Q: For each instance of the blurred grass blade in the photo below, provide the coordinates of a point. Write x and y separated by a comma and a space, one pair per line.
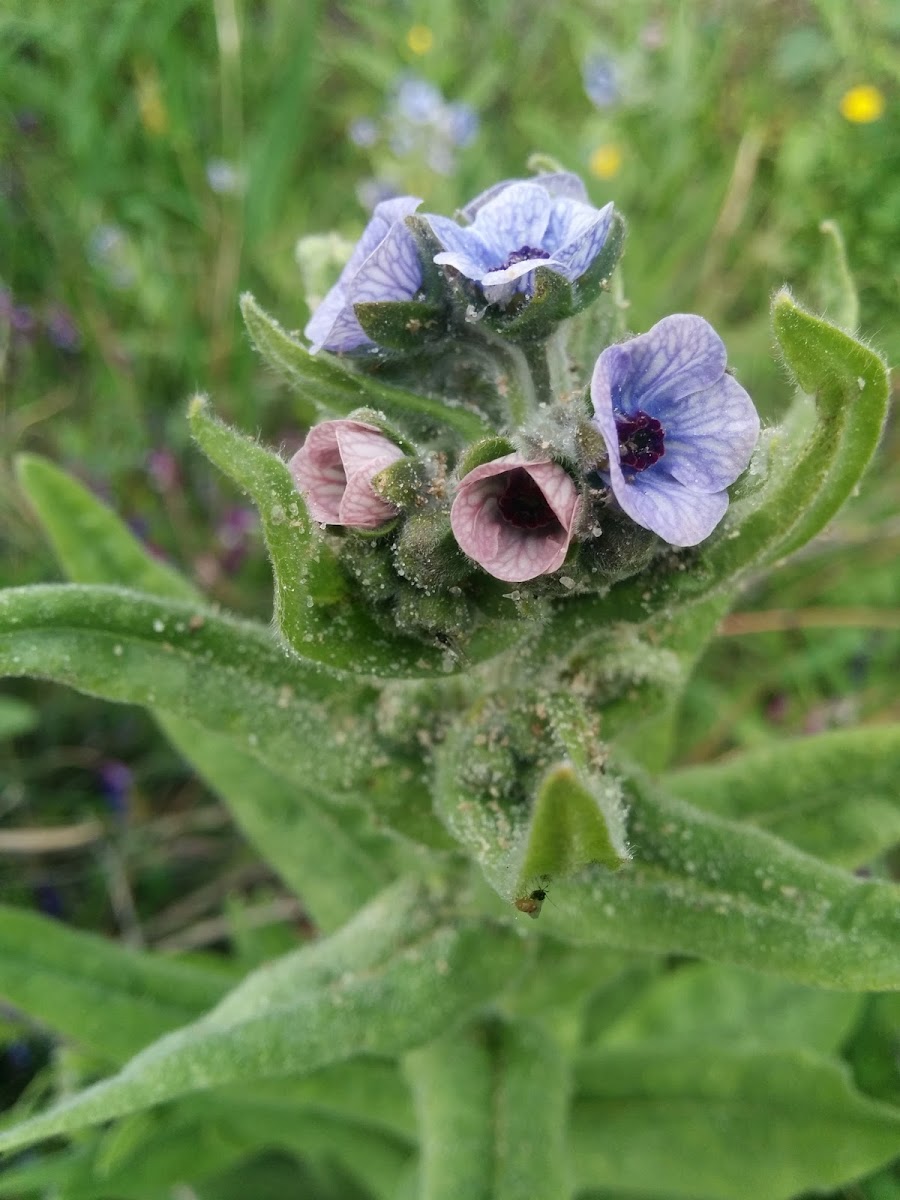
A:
111, 999
397, 976
337, 391
720, 890
334, 866
492, 1105
834, 795
729, 1123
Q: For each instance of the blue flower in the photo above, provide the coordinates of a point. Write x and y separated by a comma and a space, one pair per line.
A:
383, 266
520, 225
601, 80
678, 428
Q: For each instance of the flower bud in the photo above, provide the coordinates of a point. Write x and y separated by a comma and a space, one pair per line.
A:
334, 468
516, 518
427, 555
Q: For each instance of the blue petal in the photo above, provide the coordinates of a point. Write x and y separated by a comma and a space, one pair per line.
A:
391, 272
555, 183
463, 248
680, 355
515, 218
654, 499
710, 436
384, 215
587, 233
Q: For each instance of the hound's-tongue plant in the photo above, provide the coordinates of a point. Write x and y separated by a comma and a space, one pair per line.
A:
454, 746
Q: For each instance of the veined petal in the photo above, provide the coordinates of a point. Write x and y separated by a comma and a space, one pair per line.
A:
556, 183
361, 507
515, 218
586, 235
459, 241
517, 270
655, 500
319, 474
384, 215
360, 445
710, 436
320, 324
391, 272
680, 355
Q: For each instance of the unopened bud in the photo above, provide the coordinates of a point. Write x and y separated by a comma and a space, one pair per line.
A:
426, 553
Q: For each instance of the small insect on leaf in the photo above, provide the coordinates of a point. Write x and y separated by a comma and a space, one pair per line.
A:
532, 903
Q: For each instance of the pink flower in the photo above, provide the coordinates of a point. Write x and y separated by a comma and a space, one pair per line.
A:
516, 518
334, 469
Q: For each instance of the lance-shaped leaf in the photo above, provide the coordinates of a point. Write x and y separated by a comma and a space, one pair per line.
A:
398, 975
701, 885
724, 1123
492, 1104
191, 662
834, 795
837, 297
324, 856
804, 470
317, 608
111, 999
337, 391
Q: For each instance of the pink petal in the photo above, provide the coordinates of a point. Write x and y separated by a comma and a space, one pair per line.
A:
359, 444
361, 507
319, 473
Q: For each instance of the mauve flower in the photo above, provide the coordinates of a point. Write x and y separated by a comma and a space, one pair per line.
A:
334, 469
516, 518
678, 429
383, 266
520, 225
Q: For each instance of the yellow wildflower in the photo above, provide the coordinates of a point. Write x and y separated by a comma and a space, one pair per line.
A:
606, 161
420, 39
862, 104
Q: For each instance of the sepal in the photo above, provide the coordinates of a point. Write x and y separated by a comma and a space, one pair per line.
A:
403, 325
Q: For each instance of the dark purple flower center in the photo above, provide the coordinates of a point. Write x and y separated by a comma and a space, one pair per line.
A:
641, 440
523, 504
521, 255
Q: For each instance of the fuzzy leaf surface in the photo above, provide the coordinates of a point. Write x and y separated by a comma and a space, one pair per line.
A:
834, 795
89, 989
402, 972
724, 1124
720, 890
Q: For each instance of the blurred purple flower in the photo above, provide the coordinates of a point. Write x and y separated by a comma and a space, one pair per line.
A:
116, 781
371, 192
60, 328
678, 428
224, 177
383, 266
234, 534
417, 101
162, 466
519, 226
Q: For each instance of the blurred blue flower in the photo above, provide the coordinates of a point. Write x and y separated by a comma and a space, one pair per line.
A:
371, 192
518, 226
363, 132
383, 266
461, 122
678, 428
110, 251
224, 177
601, 80
417, 101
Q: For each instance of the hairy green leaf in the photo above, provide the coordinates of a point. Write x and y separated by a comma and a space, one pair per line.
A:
338, 391
834, 795
111, 999
704, 1003
324, 857
721, 890
724, 1123
398, 975
492, 1106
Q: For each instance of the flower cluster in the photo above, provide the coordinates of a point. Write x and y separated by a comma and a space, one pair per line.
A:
656, 439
